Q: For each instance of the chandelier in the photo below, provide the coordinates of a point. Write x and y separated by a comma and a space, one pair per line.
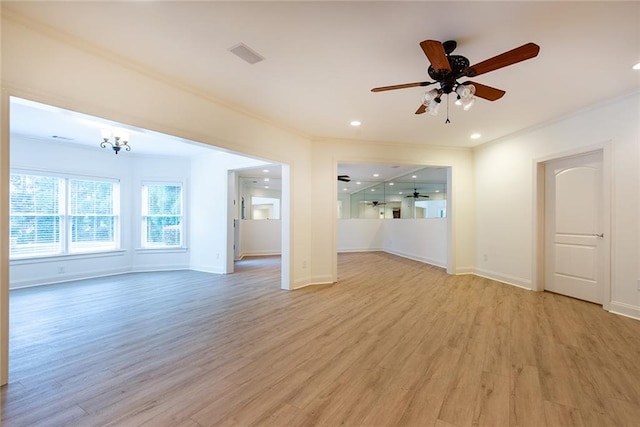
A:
120, 140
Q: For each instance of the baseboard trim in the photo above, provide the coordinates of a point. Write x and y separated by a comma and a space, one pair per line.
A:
626, 310
65, 278
437, 263
260, 253
205, 269
509, 280
349, 250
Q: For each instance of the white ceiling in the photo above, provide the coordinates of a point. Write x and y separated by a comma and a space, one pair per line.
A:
322, 58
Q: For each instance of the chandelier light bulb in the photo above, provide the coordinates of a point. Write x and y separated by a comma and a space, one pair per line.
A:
434, 106
468, 103
429, 96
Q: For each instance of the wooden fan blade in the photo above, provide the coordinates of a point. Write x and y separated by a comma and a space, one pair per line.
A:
522, 53
421, 109
436, 55
402, 86
487, 92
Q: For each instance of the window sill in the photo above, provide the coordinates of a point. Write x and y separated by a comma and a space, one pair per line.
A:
161, 250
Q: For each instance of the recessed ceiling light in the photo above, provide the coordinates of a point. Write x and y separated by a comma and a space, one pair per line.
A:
373, 189
265, 170
358, 183
475, 135
399, 192
355, 123
376, 175
266, 180
345, 189
413, 176
637, 66
266, 186
391, 183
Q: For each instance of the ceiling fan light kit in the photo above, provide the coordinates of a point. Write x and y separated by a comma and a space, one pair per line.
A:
446, 69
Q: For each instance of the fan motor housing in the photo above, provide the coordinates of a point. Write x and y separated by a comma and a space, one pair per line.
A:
458, 64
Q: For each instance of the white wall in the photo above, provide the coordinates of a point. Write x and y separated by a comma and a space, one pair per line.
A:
420, 239
208, 215
423, 240
504, 195
210, 229
360, 235
260, 237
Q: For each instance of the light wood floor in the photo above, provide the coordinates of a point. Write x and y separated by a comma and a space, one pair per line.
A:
395, 342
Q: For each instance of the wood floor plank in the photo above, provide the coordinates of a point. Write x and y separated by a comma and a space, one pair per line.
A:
394, 343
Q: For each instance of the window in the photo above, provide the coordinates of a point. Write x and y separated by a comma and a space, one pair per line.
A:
92, 218
57, 215
162, 225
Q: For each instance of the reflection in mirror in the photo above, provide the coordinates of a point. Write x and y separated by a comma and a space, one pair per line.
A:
413, 193
260, 192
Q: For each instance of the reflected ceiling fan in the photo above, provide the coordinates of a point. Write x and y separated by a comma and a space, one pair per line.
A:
446, 69
416, 195
344, 178
375, 203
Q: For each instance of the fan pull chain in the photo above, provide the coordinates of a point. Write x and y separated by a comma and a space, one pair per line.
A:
447, 121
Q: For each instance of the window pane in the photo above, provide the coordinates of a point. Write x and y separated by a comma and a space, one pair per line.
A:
93, 224
91, 197
162, 215
164, 199
34, 194
34, 223
164, 231
35, 235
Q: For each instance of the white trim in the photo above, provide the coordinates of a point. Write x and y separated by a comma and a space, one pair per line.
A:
626, 310
367, 249
260, 253
162, 250
418, 258
316, 281
205, 269
67, 278
503, 278
538, 194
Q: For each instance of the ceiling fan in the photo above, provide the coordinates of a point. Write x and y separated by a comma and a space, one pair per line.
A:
344, 178
416, 195
446, 69
375, 203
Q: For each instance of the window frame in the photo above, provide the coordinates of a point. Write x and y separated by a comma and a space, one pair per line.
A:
144, 243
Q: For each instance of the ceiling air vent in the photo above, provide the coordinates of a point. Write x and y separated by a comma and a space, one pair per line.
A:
244, 52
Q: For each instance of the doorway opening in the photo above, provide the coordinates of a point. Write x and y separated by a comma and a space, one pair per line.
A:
65, 147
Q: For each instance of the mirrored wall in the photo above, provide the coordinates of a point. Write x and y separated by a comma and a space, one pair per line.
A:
419, 193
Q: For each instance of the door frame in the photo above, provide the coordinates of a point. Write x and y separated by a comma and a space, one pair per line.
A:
538, 252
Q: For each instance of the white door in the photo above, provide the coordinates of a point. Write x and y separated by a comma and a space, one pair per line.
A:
575, 250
